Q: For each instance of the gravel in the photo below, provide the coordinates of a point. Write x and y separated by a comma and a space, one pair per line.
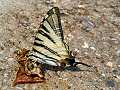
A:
90, 26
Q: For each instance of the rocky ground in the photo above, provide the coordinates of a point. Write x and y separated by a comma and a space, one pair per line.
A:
91, 27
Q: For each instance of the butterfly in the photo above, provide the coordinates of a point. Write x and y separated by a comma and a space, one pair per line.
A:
49, 47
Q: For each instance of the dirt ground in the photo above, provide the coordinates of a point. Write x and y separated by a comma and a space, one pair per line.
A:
91, 27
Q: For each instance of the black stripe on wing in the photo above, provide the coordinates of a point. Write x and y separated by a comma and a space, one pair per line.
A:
43, 27
36, 38
47, 48
43, 59
54, 21
46, 35
43, 54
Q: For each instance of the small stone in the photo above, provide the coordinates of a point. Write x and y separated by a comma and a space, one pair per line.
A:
118, 65
93, 48
81, 6
110, 83
110, 64
69, 37
88, 24
85, 45
115, 72
60, 78
5, 75
65, 79
19, 88
118, 52
118, 77
54, 1
103, 74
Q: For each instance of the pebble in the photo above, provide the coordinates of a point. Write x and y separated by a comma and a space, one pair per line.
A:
5, 75
118, 52
116, 72
93, 48
81, 6
54, 1
110, 83
88, 24
110, 64
69, 37
85, 45
103, 74
19, 88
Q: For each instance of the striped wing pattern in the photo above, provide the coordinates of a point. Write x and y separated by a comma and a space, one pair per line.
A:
49, 47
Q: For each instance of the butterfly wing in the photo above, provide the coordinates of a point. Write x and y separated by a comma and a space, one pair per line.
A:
49, 47
54, 20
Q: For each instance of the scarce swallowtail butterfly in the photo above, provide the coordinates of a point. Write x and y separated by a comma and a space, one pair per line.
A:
49, 46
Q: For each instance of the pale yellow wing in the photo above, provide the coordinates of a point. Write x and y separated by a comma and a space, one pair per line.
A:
49, 47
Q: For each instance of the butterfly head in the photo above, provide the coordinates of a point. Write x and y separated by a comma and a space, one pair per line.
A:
72, 61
